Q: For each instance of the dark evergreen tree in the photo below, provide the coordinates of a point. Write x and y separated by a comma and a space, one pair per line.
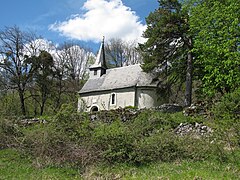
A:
43, 78
169, 44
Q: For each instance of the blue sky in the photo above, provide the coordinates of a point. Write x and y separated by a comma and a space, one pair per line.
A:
85, 21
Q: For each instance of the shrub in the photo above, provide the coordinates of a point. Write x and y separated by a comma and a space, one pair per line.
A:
157, 147
48, 145
9, 132
149, 137
114, 141
227, 118
228, 107
167, 146
76, 125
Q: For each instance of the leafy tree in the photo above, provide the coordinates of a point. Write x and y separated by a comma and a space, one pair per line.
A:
169, 44
43, 78
216, 28
14, 60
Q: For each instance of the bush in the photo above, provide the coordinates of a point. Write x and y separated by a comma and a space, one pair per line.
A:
10, 105
166, 147
227, 118
162, 146
228, 107
48, 146
114, 141
9, 133
149, 137
75, 125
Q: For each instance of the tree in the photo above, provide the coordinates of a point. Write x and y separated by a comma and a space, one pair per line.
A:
71, 63
114, 52
43, 78
121, 53
169, 44
216, 28
14, 62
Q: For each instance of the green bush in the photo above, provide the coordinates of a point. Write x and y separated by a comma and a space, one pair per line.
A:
228, 107
70, 137
166, 147
49, 146
114, 141
76, 125
148, 138
227, 118
9, 132
162, 146
10, 105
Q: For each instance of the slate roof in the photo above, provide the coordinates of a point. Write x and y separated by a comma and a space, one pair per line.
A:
118, 78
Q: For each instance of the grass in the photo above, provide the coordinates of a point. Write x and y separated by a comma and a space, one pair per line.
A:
14, 166
177, 170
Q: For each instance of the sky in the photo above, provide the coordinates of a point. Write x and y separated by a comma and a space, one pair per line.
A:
83, 21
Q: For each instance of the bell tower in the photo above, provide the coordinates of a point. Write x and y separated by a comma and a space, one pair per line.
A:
99, 67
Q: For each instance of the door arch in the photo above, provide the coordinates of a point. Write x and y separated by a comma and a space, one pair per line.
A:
94, 109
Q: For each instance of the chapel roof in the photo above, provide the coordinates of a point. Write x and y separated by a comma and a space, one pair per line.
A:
118, 78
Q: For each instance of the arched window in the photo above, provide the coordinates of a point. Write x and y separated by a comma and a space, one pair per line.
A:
113, 98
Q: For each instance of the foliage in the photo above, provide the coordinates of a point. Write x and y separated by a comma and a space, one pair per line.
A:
114, 141
14, 63
50, 145
9, 134
216, 30
150, 138
9, 104
168, 47
70, 122
71, 138
43, 78
228, 106
226, 113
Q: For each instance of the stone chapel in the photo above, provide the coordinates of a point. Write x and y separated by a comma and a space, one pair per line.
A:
117, 87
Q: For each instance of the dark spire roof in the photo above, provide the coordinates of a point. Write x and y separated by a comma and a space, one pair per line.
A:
100, 60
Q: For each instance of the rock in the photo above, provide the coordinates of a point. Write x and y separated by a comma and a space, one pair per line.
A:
169, 108
27, 122
199, 108
197, 129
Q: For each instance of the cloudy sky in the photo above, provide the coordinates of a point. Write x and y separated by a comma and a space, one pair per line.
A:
81, 20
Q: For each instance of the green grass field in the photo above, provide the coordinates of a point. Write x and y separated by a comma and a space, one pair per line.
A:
14, 166
177, 170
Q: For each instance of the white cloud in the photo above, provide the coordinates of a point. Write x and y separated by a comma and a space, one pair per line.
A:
108, 18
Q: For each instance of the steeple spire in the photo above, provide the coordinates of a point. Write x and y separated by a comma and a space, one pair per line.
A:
100, 63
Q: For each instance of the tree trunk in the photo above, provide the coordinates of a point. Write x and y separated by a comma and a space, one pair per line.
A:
189, 74
44, 99
21, 96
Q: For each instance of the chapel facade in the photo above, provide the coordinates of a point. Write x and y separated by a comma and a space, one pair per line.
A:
117, 87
